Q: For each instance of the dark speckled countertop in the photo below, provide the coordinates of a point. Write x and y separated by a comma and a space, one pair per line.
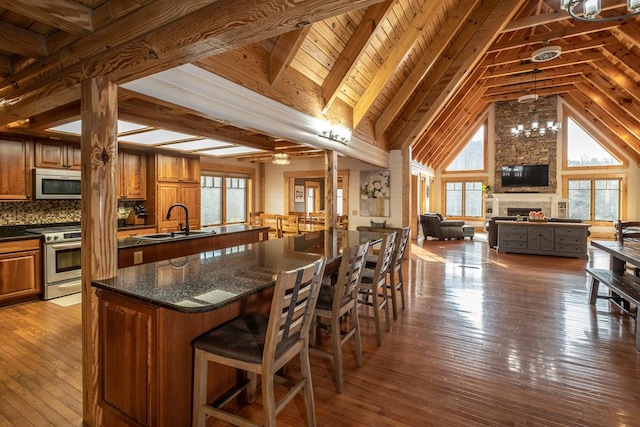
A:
213, 279
127, 242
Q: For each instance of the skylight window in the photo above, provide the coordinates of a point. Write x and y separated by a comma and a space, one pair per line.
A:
154, 137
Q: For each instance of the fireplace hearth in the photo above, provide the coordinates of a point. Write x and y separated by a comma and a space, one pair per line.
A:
521, 211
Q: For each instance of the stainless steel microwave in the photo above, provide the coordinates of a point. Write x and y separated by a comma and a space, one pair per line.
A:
56, 183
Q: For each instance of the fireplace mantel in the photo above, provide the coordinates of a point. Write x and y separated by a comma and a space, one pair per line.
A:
545, 201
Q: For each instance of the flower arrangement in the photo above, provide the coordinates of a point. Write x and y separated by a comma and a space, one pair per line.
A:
376, 186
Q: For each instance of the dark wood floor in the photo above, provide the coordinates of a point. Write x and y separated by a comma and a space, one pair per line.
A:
486, 339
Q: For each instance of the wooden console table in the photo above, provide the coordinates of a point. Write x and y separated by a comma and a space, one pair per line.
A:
543, 238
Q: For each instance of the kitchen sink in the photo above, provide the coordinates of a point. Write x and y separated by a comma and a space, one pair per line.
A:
173, 235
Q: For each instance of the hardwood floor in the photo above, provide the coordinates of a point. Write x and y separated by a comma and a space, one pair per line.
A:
486, 339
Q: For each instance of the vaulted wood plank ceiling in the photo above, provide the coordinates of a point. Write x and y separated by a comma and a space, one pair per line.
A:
401, 73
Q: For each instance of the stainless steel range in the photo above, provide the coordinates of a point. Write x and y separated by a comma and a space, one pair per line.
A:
62, 255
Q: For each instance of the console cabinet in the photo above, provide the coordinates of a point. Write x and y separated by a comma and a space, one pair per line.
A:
15, 170
543, 238
132, 175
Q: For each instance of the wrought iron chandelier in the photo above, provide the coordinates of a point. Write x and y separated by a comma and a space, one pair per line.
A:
280, 159
535, 127
592, 8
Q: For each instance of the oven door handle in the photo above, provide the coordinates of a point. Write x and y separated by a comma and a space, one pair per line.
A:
66, 245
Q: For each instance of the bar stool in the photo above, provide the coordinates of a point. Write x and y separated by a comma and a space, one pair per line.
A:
261, 345
373, 285
396, 267
334, 302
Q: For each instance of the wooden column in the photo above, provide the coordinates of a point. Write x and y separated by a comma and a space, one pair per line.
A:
406, 193
330, 188
99, 145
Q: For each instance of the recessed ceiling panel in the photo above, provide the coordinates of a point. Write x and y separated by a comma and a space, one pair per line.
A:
199, 144
154, 137
230, 151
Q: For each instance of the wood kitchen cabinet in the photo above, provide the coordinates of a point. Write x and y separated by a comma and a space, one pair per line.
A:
15, 170
172, 193
132, 175
172, 168
20, 271
57, 155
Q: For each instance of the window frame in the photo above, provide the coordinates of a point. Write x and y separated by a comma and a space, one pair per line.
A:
463, 180
230, 172
622, 197
567, 114
485, 154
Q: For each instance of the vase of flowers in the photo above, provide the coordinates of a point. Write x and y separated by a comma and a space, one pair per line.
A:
374, 193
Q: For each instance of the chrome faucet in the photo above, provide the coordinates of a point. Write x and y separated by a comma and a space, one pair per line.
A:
186, 213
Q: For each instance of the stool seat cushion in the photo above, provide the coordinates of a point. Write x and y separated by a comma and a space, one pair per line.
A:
241, 338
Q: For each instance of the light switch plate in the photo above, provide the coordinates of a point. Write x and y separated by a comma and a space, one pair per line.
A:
137, 257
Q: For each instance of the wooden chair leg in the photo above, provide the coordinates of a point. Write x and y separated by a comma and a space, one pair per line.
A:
385, 301
336, 340
376, 315
638, 329
251, 387
200, 366
392, 289
357, 336
401, 286
305, 366
268, 399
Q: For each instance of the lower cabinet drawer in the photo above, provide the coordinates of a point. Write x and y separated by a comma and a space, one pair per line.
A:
570, 239
513, 245
570, 248
518, 237
579, 232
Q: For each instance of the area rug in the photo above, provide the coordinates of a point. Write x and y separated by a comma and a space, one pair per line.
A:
68, 300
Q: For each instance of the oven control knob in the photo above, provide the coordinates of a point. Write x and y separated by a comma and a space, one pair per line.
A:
56, 237
48, 238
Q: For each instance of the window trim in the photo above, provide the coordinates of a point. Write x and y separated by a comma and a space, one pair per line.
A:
622, 208
225, 176
485, 154
586, 126
463, 180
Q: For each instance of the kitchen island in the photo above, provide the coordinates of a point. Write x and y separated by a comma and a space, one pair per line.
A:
150, 313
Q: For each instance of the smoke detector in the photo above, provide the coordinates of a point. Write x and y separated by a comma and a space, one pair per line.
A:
530, 97
546, 53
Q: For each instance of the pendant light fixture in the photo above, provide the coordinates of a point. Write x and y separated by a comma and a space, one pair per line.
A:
534, 127
591, 10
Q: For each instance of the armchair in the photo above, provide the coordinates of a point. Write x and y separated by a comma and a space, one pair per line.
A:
434, 225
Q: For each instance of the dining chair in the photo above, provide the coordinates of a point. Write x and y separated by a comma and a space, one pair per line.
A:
271, 220
288, 225
261, 345
342, 222
255, 218
373, 286
337, 302
396, 282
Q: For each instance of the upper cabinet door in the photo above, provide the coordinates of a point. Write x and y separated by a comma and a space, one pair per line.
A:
15, 170
57, 155
178, 168
132, 175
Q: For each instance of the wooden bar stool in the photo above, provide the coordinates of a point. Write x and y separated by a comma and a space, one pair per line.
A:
373, 285
397, 285
334, 302
261, 345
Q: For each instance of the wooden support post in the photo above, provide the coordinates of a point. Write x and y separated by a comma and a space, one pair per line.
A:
331, 188
99, 147
407, 193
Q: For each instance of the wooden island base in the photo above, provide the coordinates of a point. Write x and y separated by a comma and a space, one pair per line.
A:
146, 369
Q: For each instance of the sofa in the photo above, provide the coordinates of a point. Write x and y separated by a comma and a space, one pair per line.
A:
435, 225
492, 227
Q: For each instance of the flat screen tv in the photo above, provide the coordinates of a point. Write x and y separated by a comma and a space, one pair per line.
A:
525, 176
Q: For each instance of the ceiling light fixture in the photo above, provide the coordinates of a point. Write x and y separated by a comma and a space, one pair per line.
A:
546, 53
591, 9
534, 128
280, 159
335, 133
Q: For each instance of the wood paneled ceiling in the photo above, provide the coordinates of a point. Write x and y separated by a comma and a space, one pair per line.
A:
401, 73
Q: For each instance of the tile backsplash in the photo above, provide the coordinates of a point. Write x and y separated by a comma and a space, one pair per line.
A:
48, 212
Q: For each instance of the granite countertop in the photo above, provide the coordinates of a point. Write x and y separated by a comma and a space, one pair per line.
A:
134, 241
18, 232
209, 280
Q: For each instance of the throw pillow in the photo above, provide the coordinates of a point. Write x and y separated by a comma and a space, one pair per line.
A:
379, 224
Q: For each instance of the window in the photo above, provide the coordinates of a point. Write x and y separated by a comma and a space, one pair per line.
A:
594, 199
463, 198
472, 155
584, 151
223, 200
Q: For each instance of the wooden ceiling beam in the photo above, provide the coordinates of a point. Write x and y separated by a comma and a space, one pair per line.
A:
284, 51
620, 96
70, 16
625, 57
350, 56
536, 21
22, 42
473, 42
546, 74
201, 34
630, 32
436, 48
563, 61
602, 122
424, 18
531, 85
565, 33
5, 65
541, 92
492, 60
618, 77
599, 115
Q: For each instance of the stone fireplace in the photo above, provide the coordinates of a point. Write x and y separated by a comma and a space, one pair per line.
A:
506, 203
521, 211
